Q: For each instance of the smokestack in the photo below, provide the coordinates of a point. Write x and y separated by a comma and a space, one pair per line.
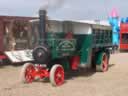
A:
42, 26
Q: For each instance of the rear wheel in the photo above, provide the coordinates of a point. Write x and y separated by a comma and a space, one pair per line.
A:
27, 72
103, 67
57, 75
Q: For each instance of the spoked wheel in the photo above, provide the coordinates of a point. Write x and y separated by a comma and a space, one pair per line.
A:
27, 73
103, 67
57, 75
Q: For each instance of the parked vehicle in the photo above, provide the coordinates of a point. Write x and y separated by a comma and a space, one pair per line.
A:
66, 45
15, 38
124, 36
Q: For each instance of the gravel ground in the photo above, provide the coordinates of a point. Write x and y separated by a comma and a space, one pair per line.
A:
111, 83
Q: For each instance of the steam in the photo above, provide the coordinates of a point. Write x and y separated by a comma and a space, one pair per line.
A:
51, 4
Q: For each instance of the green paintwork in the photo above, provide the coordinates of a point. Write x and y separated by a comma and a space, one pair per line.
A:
81, 45
84, 44
101, 38
99, 58
60, 47
65, 63
99, 55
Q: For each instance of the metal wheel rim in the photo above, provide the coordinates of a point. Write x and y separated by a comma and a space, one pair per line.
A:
29, 74
105, 63
59, 76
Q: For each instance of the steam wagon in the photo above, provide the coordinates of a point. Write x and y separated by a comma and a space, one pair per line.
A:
66, 45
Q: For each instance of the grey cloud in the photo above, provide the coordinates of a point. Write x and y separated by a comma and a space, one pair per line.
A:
71, 9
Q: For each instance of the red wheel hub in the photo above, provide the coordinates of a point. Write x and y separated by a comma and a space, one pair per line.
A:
59, 76
29, 74
105, 63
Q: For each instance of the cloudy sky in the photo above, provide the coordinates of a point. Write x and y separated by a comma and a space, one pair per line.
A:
67, 9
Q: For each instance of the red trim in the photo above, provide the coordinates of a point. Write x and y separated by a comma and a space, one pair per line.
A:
37, 71
124, 46
69, 35
124, 28
41, 72
29, 74
105, 63
3, 57
75, 61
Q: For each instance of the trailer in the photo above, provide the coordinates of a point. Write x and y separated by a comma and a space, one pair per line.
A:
66, 45
124, 36
15, 38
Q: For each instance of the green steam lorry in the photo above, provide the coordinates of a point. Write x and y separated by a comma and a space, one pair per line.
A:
66, 45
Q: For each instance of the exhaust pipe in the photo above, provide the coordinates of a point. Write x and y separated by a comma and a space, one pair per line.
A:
41, 53
42, 26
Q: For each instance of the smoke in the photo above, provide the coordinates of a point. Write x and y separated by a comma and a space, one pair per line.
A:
51, 4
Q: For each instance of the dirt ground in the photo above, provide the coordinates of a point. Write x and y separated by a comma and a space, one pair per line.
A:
111, 83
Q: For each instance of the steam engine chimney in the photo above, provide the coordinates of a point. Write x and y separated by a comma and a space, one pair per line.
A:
41, 53
42, 26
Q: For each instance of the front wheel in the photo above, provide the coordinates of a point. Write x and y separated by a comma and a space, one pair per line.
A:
57, 75
103, 67
27, 72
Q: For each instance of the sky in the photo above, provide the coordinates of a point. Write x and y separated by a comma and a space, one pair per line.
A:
67, 9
